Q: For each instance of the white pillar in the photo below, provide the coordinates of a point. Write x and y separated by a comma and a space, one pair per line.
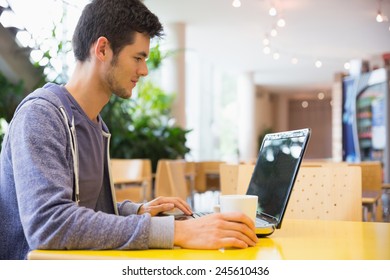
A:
280, 113
246, 125
337, 112
173, 70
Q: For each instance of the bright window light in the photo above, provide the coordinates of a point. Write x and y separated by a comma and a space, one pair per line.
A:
4, 3
9, 19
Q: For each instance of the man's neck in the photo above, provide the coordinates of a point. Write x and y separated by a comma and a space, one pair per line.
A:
86, 90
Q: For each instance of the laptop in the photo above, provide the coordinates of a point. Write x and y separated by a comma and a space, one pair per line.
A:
273, 177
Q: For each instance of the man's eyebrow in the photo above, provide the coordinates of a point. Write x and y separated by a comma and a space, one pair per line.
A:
144, 54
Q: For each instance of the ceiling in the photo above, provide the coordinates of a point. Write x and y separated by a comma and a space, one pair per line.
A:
332, 31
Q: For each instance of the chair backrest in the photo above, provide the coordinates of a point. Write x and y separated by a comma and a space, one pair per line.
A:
170, 179
245, 172
326, 193
371, 175
207, 171
235, 178
228, 178
190, 173
132, 171
126, 170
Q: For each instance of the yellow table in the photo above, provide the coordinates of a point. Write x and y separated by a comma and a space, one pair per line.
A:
296, 240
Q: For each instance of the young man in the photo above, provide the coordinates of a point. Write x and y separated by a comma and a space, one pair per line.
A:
56, 191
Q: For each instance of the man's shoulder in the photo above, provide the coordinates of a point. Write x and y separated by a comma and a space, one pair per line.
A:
42, 96
47, 93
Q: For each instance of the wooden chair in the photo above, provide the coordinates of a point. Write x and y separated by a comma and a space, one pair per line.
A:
171, 179
228, 178
132, 179
235, 178
207, 176
245, 172
190, 173
371, 189
320, 192
326, 193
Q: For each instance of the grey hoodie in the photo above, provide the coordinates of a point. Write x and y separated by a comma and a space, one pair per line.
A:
39, 208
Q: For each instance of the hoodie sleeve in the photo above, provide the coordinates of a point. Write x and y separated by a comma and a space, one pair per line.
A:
41, 160
161, 230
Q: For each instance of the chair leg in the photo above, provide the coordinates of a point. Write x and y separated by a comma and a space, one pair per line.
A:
365, 213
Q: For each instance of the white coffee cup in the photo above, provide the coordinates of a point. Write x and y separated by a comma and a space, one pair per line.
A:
246, 204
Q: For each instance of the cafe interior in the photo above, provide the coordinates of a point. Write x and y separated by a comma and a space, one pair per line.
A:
237, 70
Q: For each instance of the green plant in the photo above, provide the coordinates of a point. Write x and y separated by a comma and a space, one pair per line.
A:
10, 95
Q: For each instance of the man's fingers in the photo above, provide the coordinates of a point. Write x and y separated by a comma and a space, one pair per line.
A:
154, 210
178, 203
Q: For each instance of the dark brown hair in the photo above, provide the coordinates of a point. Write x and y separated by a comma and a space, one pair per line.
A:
117, 20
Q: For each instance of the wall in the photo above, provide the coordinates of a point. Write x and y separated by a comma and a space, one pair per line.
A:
318, 117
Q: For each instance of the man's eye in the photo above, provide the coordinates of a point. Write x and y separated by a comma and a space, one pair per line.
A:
138, 59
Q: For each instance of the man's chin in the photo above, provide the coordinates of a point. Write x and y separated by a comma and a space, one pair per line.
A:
124, 94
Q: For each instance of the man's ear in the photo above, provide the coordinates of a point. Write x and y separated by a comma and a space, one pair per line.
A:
102, 48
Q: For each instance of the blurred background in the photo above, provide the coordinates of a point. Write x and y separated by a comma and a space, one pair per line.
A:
233, 71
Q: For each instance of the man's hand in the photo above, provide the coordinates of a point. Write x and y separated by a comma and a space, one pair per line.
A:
161, 204
215, 231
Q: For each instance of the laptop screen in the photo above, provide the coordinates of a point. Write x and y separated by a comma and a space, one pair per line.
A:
275, 171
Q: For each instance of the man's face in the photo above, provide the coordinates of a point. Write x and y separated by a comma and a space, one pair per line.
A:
128, 66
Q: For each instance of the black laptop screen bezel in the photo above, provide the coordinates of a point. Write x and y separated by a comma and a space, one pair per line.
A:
305, 133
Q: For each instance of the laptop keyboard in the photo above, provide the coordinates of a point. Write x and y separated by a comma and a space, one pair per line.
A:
200, 214
194, 216
261, 223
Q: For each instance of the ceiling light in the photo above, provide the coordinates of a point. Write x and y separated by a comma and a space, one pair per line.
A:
321, 95
265, 41
379, 17
276, 55
347, 66
281, 22
267, 50
318, 64
236, 3
272, 12
305, 104
274, 32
